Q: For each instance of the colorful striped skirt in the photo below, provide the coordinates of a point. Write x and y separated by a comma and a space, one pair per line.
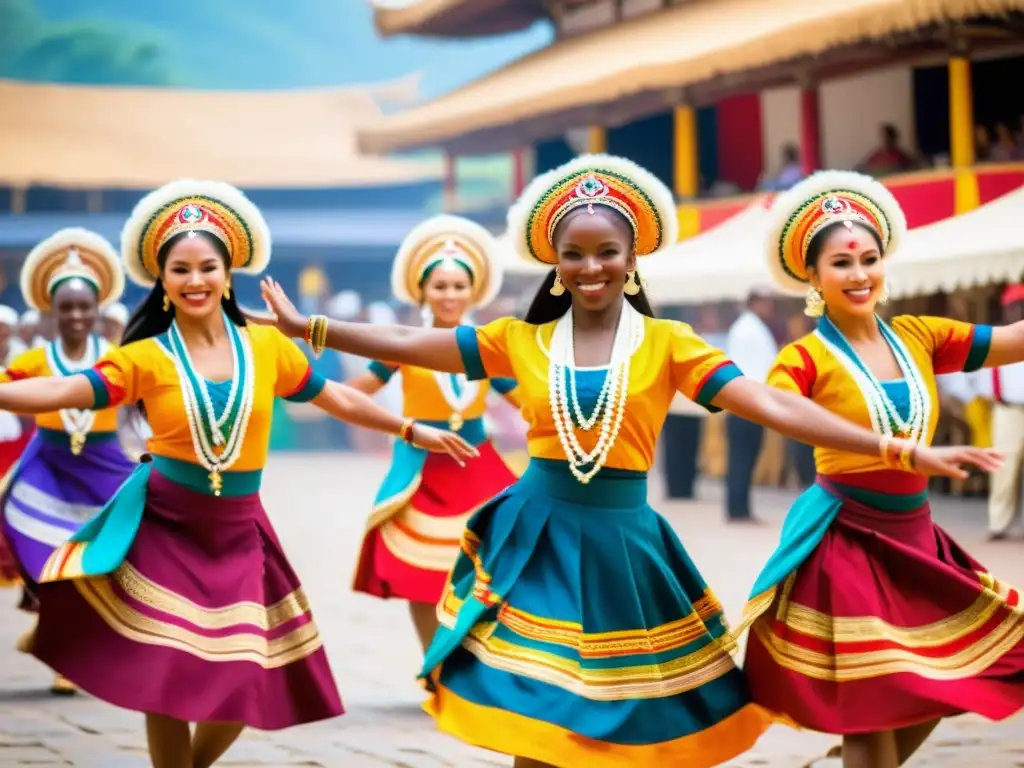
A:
413, 534
179, 603
577, 631
52, 493
869, 617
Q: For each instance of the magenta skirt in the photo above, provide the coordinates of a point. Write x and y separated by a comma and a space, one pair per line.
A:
205, 620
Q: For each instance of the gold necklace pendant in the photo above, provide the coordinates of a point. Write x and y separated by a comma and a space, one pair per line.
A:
216, 482
456, 422
77, 443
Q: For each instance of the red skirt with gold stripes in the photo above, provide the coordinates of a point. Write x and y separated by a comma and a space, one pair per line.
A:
888, 623
408, 555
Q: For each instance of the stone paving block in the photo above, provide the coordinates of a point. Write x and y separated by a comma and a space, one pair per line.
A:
30, 755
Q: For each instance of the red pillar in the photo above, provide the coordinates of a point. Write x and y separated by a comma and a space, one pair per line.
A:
810, 130
518, 172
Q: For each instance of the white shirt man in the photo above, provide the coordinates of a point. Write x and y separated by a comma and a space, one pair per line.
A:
1004, 388
751, 345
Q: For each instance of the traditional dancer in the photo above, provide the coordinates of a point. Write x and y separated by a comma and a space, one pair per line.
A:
869, 620
446, 266
74, 462
576, 631
176, 600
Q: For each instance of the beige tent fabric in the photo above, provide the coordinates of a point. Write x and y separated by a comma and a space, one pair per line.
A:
90, 137
676, 47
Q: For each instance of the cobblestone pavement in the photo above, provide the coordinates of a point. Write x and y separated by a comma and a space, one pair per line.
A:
318, 504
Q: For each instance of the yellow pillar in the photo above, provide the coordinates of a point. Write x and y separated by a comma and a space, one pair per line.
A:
686, 170
961, 133
597, 140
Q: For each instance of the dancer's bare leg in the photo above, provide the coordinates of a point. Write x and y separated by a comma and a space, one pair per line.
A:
211, 740
170, 742
870, 750
909, 739
424, 618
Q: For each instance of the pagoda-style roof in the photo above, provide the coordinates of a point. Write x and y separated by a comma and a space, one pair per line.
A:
112, 137
455, 18
696, 52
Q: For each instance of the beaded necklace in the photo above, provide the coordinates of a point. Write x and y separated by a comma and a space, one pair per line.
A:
78, 424
215, 451
885, 416
459, 393
611, 401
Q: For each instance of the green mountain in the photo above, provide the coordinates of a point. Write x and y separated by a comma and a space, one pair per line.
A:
233, 44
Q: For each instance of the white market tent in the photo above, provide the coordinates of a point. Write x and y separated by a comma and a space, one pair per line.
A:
725, 263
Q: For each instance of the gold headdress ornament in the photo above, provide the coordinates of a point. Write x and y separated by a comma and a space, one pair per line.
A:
821, 199
442, 238
588, 181
68, 254
186, 205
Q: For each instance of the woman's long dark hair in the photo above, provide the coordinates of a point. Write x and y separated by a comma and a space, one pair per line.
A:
149, 318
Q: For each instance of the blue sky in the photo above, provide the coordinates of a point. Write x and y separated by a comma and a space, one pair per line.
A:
263, 44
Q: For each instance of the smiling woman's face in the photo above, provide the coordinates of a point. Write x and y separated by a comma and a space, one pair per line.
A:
849, 272
74, 306
447, 291
595, 253
194, 276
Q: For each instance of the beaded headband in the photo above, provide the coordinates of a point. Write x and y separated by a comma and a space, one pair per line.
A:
447, 238
68, 254
589, 181
215, 208
823, 198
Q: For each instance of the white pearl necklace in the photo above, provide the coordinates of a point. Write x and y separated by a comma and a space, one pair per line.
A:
881, 409
77, 423
611, 404
199, 406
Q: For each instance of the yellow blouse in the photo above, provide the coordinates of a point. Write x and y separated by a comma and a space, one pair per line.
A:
670, 358
422, 398
144, 371
937, 345
32, 364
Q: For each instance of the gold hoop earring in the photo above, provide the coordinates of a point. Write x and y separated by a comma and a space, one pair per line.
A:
167, 303
814, 305
632, 287
557, 287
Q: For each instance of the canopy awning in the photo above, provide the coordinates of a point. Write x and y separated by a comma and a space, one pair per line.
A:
96, 137
978, 248
455, 18
593, 77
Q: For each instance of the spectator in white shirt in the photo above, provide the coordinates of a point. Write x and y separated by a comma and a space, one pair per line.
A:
1004, 388
751, 345
681, 435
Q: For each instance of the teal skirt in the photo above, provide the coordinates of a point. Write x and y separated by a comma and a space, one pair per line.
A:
575, 630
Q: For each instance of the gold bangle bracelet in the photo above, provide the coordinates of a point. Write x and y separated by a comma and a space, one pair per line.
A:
318, 335
405, 431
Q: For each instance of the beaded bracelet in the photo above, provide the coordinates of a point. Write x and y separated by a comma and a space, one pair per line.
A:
316, 334
406, 430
